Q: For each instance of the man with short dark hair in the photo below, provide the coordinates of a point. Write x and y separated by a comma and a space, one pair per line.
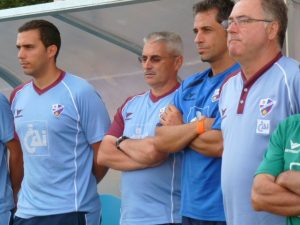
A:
60, 121
193, 124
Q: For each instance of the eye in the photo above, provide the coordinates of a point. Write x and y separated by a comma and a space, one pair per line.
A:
155, 58
206, 29
243, 20
142, 59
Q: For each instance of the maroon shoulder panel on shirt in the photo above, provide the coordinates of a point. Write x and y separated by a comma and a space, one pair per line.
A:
11, 98
248, 83
14, 92
117, 127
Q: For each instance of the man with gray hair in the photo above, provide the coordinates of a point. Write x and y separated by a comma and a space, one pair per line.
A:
252, 104
150, 186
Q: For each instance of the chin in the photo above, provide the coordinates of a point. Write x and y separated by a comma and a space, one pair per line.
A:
205, 59
29, 73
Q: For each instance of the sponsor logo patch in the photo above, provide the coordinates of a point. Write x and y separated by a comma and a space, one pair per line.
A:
263, 127
35, 140
294, 145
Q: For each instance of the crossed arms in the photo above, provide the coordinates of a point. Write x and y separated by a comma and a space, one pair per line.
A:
279, 195
174, 135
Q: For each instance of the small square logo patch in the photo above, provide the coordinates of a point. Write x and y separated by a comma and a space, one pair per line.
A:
263, 127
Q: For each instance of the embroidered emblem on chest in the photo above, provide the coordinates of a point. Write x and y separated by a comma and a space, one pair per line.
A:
216, 95
266, 105
161, 111
57, 109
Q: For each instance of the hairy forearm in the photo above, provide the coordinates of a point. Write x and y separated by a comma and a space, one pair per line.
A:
143, 151
175, 138
15, 165
271, 197
290, 180
209, 143
112, 157
99, 171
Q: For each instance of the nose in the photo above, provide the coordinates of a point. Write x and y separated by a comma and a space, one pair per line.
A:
198, 38
232, 27
21, 53
147, 64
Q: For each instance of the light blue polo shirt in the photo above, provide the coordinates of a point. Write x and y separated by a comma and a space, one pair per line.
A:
250, 112
152, 195
56, 127
6, 134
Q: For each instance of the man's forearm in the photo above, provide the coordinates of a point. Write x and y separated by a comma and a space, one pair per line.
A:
15, 165
112, 157
99, 171
143, 151
290, 180
209, 143
175, 138
271, 197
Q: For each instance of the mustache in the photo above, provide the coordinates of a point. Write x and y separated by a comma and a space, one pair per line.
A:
149, 72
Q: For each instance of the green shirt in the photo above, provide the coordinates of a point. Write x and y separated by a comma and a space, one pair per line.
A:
283, 153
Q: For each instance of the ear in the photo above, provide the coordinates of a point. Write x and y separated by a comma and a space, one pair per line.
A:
178, 62
272, 30
52, 50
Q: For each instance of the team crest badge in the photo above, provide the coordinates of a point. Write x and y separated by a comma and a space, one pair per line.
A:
266, 105
161, 111
216, 95
57, 109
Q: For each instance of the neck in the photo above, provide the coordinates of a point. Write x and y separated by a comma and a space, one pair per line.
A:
222, 65
250, 66
162, 90
46, 78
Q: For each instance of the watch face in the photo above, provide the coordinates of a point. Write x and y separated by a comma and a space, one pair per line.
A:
119, 140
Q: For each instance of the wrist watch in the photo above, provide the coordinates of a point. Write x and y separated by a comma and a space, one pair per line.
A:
119, 140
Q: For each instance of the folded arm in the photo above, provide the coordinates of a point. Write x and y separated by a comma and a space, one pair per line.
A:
210, 143
143, 151
174, 135
112, 157
15, 165
290, 180
268, 195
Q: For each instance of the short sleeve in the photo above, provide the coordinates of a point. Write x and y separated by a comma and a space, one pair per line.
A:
6, 118
94, 117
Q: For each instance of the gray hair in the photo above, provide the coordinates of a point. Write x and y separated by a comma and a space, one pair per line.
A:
277, 10
172, 40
